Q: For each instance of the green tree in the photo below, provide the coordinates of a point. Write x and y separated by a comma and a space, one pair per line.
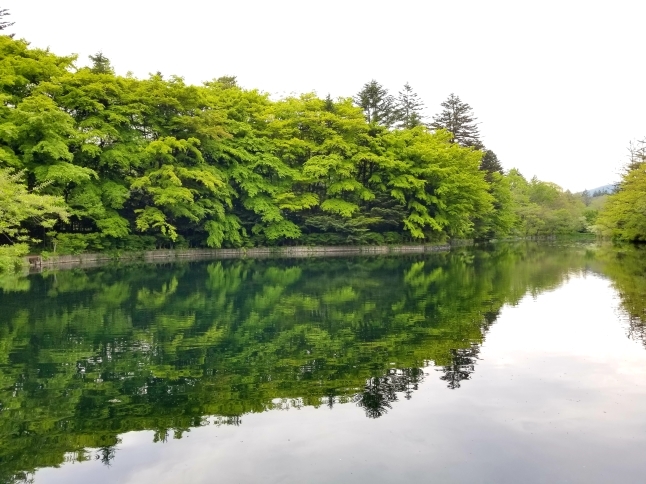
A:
409, 108
501, 220
101, 64
156, 162
490, 163
378, 105
544, 209
224, 82
19, 208
624, 214
439, 182
458, 119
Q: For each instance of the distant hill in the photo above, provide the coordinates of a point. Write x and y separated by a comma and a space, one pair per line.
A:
605, 189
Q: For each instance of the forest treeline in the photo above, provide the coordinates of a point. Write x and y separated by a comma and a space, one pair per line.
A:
93, 161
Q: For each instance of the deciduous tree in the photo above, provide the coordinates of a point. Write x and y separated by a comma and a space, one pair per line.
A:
18, 207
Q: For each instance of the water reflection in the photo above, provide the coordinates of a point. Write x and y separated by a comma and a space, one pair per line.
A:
626, 267
463, 363
86, 356
379, 392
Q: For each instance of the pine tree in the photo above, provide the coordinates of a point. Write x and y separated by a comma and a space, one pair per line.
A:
222, 82
4, 24
378, 106
408, 108
329, 104
490, 163
101, 64
227, 82
458, 119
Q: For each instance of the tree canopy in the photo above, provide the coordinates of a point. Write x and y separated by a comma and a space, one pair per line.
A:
156, 162
623, 216
19, 209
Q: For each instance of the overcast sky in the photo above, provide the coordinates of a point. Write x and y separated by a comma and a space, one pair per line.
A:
558, 86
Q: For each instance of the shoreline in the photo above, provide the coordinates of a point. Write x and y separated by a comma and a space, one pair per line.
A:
36, 263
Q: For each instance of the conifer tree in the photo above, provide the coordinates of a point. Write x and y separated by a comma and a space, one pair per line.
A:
101, 64
457, 118
329, 104
378, 106
227, 82
490, 163
408, 108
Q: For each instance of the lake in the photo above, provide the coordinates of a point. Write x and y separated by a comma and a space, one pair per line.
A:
501, 364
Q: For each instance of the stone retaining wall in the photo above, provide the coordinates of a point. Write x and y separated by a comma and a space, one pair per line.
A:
168, 255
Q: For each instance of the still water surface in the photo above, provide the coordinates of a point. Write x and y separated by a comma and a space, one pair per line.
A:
520, 363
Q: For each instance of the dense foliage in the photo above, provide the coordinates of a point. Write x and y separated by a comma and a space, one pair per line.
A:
158, 163
624, 214
17, 207
543, 208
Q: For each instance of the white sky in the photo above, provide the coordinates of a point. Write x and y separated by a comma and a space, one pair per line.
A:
558, 86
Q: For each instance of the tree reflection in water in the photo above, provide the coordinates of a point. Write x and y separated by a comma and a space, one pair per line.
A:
381, 391
86, 356
626, 268
463, 361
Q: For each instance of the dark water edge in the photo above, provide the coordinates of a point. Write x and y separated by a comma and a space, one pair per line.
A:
504, 363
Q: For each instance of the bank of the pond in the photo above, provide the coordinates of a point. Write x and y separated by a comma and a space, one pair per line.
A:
37, 262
